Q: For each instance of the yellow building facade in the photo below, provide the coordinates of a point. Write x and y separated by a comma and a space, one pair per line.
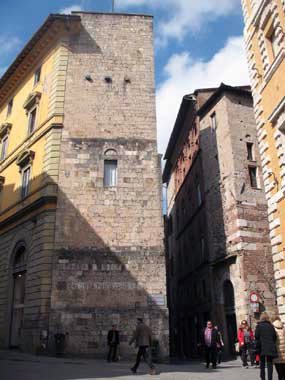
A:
264, 35
31, 121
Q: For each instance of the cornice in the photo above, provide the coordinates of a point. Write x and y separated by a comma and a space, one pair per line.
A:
32, 99
25, 158
42, 40
5, 129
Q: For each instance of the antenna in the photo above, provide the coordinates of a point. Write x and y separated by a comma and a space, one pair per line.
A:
113, 6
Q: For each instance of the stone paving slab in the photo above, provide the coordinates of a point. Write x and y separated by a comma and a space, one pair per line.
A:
16, 366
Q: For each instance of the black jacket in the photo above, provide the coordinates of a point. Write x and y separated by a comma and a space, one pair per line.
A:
110, 337
215, 338
265, 335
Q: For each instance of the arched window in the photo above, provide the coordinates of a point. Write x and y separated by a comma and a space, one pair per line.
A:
110, 152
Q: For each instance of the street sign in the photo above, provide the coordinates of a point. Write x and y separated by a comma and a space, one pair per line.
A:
254, 297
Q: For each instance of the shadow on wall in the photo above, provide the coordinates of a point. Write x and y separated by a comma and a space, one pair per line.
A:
74, 282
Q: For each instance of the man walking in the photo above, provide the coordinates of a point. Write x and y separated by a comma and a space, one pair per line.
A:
211, 339
113, 340
142, 337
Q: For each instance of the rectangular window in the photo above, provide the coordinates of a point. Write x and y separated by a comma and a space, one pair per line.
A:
25, 181
213, 121
274, 44
32, 121
253, 176
199, 198
37, 76
10, 107
110, 173
4, 148
250, 155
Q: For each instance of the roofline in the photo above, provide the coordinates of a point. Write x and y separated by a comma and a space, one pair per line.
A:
33, 41
198, 90
112, 13
186, 101
241, 90
180, 117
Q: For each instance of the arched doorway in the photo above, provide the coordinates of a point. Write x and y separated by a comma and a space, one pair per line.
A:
230, 314
19, 277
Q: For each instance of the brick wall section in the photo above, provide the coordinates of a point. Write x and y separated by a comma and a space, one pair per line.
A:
109, 241
244, 229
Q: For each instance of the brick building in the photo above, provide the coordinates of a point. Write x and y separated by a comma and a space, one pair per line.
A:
218, 247
81, 229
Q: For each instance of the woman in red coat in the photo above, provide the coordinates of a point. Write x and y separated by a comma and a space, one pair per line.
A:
245, 338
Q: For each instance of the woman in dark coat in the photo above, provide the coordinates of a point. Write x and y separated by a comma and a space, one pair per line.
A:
265, 335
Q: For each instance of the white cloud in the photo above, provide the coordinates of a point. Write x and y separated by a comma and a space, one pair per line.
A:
184, 75
186, 15
9, 44
72, 8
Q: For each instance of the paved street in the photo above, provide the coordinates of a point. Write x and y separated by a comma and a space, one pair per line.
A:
16, 366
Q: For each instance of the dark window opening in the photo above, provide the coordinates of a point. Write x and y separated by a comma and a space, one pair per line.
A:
10, 107
213, 121
37, 75
253, 176
249, 147
25, 181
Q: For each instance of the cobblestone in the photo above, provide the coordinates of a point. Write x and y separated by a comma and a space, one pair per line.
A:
15, 366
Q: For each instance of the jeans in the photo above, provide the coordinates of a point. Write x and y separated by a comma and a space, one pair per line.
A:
143, 352
280, 368
210, 356
245, 350
112, 355
269, 360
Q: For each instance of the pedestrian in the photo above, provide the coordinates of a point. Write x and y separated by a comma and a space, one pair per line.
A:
245, 339
142, 338
210, 340
220, 345
266, 336
113, 340
280, 345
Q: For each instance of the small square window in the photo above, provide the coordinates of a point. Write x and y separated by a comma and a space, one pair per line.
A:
110, 173
37, 76
25, 181
32, 121
4, 148
10, 107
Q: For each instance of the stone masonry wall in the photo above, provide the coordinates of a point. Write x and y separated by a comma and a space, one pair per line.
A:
109, 261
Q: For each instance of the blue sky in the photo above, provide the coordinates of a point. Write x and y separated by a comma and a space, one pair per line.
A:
198, 43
